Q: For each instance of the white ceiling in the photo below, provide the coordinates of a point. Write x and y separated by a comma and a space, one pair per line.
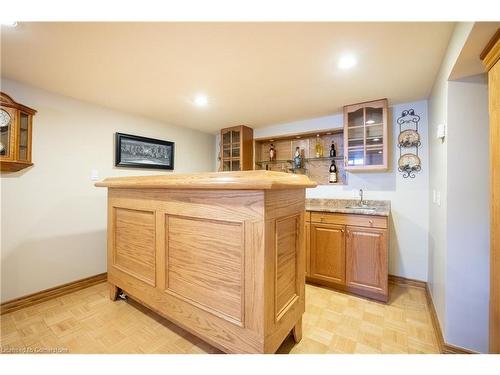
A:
253, 73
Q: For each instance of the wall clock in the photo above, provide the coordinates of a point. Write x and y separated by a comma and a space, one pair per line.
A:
5, 118
16, 121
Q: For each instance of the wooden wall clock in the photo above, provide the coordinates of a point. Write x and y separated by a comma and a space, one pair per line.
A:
16, 121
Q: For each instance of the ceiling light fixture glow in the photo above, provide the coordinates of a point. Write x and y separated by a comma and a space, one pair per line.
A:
369, 122
347, 62
201, 101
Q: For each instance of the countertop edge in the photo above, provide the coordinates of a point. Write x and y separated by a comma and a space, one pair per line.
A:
348, 211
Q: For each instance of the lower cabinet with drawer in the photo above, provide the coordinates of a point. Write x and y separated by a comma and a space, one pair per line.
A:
348, 252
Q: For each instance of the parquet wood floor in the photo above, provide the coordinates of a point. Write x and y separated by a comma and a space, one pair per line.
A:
87, 321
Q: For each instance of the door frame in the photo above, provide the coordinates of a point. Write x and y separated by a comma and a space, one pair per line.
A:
491, 57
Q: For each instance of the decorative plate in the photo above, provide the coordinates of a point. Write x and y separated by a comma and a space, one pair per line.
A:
409, 138
409, 163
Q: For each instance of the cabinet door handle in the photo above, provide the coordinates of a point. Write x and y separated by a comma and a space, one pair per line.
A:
371, 222
322, 219
342, 230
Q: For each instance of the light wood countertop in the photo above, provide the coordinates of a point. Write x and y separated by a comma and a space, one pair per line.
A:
246, 180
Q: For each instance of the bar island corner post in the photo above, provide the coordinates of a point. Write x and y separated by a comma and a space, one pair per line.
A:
220, 254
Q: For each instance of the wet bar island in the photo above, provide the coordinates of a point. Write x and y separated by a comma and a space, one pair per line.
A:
220, 254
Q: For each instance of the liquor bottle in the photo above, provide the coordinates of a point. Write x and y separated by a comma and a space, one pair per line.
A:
333, 173
319, 147
333, 152
297, 159
272, 153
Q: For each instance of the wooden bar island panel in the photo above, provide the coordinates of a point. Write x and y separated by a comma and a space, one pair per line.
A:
220, 254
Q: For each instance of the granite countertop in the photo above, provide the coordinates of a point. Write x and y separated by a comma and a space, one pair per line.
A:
378, 208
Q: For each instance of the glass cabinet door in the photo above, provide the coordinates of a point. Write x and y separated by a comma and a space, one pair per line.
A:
231, 150
355, 138
226, 138
365, 127
235, 165
374, 135
23, 136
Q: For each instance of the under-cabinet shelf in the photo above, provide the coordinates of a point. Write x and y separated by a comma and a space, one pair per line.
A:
318, 169
306, 160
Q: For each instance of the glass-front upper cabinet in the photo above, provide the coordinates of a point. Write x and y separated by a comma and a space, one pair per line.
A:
236, 149
15, 134
365, 136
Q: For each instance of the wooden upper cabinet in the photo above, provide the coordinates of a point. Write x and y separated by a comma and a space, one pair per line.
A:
236, 149
366, 259
328, 253
16, 122
365, 136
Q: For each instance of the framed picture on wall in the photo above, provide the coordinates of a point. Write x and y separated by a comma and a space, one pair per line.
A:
142, 152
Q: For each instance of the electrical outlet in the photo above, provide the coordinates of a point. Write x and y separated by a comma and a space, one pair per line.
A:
438, 198
433, 195
94, 175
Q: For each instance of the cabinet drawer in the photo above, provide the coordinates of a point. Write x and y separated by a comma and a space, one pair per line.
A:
349, 219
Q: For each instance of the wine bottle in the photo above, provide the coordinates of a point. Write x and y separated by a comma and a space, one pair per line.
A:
298, 158
272, 153
319, 147
333, 173
333, 152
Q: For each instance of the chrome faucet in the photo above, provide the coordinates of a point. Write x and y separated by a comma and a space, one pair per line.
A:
361, 197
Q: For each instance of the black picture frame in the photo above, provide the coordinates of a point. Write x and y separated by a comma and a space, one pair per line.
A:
142, 152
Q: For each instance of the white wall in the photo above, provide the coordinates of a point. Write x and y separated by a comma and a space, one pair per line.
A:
53, 219
459, 227
468, 220
409, 210
437, 168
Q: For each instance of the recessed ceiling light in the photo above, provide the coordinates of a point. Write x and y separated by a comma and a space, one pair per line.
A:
347, 62
9, 23
328, 133
298, 137
201, 101
370, 122
376, 139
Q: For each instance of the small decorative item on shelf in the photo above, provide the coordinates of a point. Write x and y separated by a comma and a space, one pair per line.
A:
297, 160
272, 153
333, 152
319, 147
333, 173
409, 139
